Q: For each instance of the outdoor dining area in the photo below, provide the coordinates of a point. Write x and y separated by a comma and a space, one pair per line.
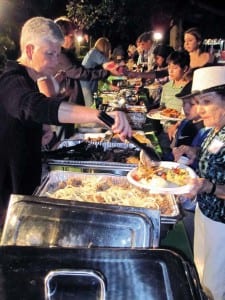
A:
112, 162
88, 206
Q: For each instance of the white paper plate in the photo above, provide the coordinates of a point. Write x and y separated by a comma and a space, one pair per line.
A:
170, 187
158, 116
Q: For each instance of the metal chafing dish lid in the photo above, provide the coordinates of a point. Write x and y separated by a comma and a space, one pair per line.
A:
33, 221
157, 274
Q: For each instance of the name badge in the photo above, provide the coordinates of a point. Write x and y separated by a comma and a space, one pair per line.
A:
215, 146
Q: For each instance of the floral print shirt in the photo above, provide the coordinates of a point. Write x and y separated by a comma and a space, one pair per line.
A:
212, 166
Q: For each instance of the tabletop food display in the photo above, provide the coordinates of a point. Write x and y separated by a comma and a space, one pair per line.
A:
93, 227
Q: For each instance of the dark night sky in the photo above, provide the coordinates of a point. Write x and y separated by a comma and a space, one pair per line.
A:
208, 15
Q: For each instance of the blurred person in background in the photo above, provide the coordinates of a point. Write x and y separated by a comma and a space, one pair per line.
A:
175, 33
118, 54
132, 54
24, 109
113, 83
193, 44
94, 59
161, 52
147, 45
74, 71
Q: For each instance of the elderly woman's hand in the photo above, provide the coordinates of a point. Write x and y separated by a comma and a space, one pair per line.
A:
190, 152
199, 185
121, 125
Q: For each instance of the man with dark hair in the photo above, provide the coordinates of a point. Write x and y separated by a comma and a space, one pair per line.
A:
147, 45
75, 72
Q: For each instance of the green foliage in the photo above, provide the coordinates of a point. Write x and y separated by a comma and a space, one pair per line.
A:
7, 44
120, 20
88, 14
100, 17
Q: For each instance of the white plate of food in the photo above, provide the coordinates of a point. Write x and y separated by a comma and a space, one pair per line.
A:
163, 178
166, 114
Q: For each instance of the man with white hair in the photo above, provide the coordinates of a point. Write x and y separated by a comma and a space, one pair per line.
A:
23, 109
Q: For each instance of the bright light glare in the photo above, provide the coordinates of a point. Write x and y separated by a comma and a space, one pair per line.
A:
157, 36
79, 38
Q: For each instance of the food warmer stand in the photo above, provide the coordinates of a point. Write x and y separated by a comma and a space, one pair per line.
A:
65, 159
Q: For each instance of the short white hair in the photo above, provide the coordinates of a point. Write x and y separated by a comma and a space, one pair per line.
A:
38, 30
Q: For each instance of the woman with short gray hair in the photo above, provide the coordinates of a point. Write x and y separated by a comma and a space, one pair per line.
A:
23, 109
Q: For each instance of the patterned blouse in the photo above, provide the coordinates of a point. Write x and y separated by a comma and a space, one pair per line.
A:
212, 166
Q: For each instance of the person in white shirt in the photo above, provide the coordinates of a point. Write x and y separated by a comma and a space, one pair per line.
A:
146, 57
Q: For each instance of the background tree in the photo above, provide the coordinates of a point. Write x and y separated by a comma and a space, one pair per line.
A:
14, 13
121, 21
7, 46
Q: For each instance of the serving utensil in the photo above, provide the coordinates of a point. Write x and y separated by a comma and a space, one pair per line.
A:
149, 151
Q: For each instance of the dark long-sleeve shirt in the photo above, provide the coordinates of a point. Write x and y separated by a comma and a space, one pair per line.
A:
78, 72
23, 110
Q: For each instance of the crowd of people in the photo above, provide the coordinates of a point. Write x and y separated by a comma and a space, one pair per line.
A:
47, 85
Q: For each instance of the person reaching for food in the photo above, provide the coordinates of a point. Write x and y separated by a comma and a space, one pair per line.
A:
24, 110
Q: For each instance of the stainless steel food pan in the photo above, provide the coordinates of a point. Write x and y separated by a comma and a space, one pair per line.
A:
92, 155
136, 274
41, 221
169, 211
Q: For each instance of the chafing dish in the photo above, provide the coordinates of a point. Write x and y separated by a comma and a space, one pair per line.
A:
41, 221
53, 179
34, 273
71, 153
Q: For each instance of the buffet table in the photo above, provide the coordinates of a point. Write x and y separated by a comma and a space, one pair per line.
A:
60, 247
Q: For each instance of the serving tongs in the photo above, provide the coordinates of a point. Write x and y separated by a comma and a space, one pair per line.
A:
149, 151
77, 149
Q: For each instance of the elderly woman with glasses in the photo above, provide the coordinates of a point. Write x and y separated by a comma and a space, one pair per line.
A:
208, 90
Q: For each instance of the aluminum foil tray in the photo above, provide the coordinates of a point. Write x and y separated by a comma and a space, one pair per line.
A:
51, 183
106, 145
61, 159
93, 166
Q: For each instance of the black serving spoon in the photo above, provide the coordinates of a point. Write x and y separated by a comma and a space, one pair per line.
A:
149, 151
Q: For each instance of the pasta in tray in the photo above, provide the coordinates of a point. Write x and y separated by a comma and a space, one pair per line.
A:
105, 191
